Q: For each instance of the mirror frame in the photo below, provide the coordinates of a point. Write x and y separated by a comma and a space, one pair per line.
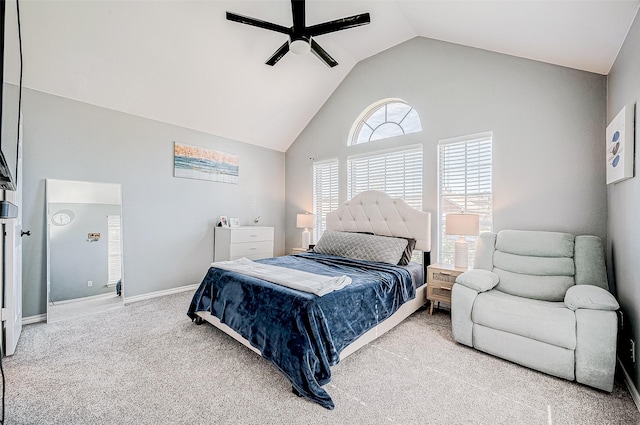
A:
81, 191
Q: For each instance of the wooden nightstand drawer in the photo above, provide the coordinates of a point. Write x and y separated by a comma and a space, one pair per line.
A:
442, 278
439, 294
440, 281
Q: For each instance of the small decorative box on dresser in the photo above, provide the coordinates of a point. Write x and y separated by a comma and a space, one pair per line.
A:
252, 242
440, 280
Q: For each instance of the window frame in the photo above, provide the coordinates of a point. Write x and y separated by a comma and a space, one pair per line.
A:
484, 162
361, 121
320, 212
114, 249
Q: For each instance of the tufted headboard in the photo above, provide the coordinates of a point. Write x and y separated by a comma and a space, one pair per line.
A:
377, 213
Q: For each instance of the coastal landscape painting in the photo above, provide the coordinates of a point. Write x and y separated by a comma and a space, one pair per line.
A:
193, 162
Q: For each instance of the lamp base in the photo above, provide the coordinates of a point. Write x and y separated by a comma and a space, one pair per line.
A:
306, 238
461, 258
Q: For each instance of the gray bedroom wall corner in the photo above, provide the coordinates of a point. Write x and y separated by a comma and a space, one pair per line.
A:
547, 123
167, 222
623, 203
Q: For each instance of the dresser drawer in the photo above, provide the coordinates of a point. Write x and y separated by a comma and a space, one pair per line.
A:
249, 234
247, 249
245, 241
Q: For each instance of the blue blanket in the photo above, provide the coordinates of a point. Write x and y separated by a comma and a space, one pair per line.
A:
301, 333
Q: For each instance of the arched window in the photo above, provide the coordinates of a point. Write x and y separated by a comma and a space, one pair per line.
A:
384, 119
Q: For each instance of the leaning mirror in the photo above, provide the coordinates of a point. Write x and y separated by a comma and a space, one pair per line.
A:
84, 248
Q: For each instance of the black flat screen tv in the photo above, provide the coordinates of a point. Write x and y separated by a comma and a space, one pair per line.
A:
7, 181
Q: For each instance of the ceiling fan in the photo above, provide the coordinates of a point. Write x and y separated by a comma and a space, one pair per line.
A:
300, 36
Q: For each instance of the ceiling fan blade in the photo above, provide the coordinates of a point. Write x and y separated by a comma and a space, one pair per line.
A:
338, 25
257, 23
298, 12
278, 54
322, 54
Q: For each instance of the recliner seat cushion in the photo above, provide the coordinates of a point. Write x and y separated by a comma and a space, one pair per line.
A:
549, 322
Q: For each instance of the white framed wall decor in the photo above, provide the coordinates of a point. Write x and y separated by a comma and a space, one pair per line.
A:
619, 148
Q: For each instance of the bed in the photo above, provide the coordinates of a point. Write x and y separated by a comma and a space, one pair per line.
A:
304, 334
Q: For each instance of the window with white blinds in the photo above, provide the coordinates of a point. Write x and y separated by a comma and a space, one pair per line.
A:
397, 173
114, 248
325, 194
465, 185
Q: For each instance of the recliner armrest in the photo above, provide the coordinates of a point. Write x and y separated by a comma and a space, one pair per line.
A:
590, 297
478, 279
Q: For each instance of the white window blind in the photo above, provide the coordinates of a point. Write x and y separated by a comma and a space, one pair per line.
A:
465, 185
114, 249
325, 194
397, 173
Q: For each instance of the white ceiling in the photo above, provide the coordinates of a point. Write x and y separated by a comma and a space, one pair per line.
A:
182, 62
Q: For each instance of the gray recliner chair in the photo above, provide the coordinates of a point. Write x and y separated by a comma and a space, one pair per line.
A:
540, 299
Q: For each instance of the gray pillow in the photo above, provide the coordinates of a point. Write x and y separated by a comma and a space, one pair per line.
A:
478, 279
361, 246
408, 252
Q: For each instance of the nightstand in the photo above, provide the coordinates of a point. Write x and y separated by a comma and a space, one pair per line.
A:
440, 280
298, 250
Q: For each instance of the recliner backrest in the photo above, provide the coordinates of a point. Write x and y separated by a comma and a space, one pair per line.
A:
531, 264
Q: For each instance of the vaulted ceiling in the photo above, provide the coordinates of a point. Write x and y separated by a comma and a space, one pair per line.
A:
183, 63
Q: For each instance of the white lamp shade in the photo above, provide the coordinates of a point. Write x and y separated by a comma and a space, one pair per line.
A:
462, 224
305, 221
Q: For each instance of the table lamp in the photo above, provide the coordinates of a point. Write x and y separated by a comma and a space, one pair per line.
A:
462, 225
305, 221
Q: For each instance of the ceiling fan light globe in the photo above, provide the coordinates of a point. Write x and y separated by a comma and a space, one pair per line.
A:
299, 47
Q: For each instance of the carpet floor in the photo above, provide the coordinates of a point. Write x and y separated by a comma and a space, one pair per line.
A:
147, 363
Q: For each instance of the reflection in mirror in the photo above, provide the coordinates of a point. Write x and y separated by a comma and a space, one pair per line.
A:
84, 248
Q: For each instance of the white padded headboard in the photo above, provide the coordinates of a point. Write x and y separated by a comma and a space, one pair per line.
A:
377, 213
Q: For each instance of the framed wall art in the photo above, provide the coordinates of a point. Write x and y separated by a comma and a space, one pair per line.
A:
193, 162
619, 149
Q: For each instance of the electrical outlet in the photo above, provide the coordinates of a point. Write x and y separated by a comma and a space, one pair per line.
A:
90, 283
632, 348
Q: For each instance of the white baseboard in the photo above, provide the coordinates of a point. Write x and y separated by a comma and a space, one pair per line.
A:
136, 298
127, 300
34, 319
635, 395
88, 298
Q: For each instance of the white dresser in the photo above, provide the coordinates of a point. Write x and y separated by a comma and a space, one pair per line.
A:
252, 242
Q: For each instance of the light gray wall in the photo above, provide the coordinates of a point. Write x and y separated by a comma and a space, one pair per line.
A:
74, 259
547, 122
623, 202
167, 222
